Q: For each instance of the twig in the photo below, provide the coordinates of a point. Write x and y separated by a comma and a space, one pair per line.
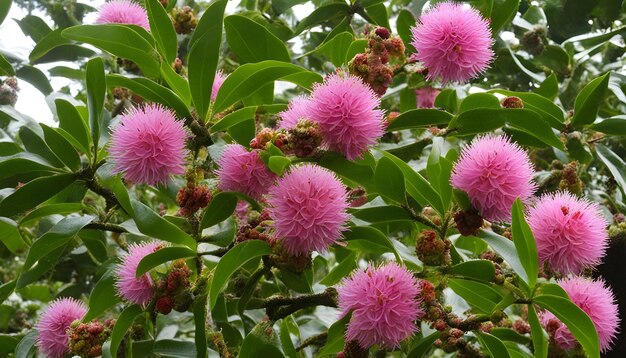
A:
106, 227
280, 307
317, 340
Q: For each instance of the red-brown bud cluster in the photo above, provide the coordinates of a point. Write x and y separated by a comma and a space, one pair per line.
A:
173, 289
184, 20
8, 91
376, 65
468, 222
512, 102
304, 139
267, 135
86, 339
432, 250
357, 196
352, 349
193, 198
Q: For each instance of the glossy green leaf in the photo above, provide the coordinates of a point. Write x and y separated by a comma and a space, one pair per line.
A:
220, 208
575, 319
439, 170
539, 337
103, 296
278, 164
203, 56
23, 163
162, 256
419, 118
483, 270
423, 345
234, 259
35, 77
525, 243
341, 270
61, 148
51, 209
199, 318
336, 336
479, 100
389, 180
377, 14
58, 236
27, 347
248, 78
480, 295
614, 163
505, 248
10, 236
381, 214
549, 88
502, 14
34, 143
285, 338
615, 125
370, 240
5, 6
356, 47
405, 21
447, 100
252, 42
337, 48
153, 225
322, 14
6, 69
122, 325
150, 90
71, 121
96, 91
258, 344
34, 193
162, 28
120, 40
588, 101
361, 174
492, 345
549, 112
43, 265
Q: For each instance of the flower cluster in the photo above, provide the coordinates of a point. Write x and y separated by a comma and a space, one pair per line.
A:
52, 338
138, 290
125, 12
244, 171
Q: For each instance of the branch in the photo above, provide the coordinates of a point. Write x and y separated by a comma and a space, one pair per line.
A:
279, 307
420, 218
106, 227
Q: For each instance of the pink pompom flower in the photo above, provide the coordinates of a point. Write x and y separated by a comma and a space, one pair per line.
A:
570, 232
298, 109
52, 337
597, 301
243, 171
220, 77
123, 12
453, 41
138, 290
308, 206
148, 145
426, 97
384, 305
494, 171
346, 111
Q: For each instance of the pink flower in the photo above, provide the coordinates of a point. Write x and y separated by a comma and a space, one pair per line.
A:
597, 301
308, 206
383, 304
243, 171
494, 171
298, 109
123, 12
149, 145
138, 290
346, 111
570, 233
426, 97
52, 338
220, 77
453, 41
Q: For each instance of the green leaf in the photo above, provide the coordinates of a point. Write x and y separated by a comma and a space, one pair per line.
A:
5, 6
176, 82
72, 122
493, 345
234, 259
120, 40
419, 118
258, 344
509, 335
525, 243
479, 100
10, 236
59, 235
27, 347
54, 47
122, 326
103, 296
588, 101
278, 164
552, 289
248, 78
389, 180
615, 125
549, 88
285, 338
34, 143
539, 336
483, 270
23, 163
350, 170
505, 248
61, 148
161, 256
405, 21
447, 99
613, 162
575, 319
34, 193
357, 46
35, 77
423, 345
341, 270
370, 240
46, 210
6, 69
337, 48
199, 318
378, 15
549, 112
381, 214
480, 295
252, 42
322, 14
502, 14
439, 170
150, 90
96, 91
162, 28
204, 54
44, 265
336, 335
153, 225
220, 208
